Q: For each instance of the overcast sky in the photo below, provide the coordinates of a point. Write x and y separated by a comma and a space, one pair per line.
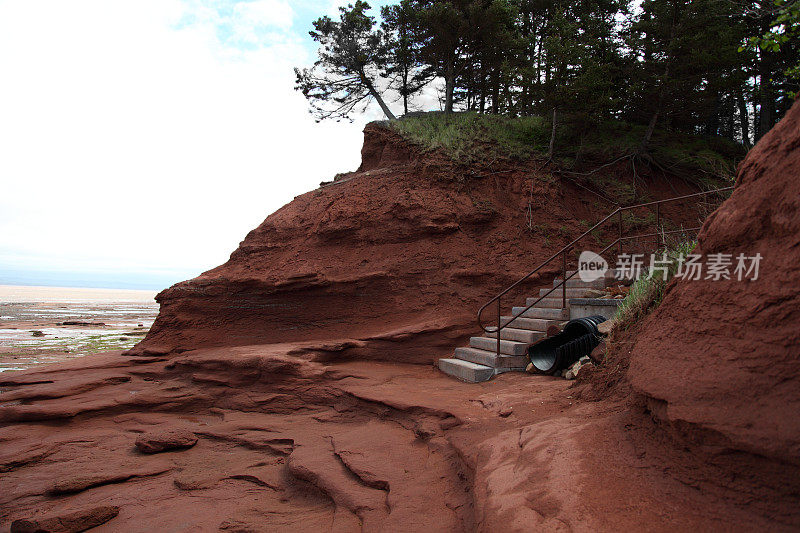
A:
141, 140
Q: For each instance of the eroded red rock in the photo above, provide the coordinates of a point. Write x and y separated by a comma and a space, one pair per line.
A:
71, 522
722, 358
166, 440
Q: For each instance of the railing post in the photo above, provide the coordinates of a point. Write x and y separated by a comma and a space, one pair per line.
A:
498, 327
564, 280
658, 226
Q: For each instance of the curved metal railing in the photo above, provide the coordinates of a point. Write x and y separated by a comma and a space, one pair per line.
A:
563, 254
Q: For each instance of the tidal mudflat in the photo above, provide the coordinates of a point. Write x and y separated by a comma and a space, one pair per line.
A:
49, 324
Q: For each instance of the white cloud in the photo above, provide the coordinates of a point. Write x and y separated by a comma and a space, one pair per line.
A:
135, 135
263, 13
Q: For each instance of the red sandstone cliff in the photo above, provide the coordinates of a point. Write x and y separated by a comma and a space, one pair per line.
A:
720, 360
393, 260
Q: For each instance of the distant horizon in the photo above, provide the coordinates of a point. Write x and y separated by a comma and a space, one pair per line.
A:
93, 280
23, 294
73, 287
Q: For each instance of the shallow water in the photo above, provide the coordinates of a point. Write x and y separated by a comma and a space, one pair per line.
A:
32, 329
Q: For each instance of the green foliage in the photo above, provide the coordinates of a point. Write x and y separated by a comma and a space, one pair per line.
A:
402, 65
783, 29
668, 65
631, 221
783, 32
453, 36
468, 137
678, 75
708, 161
647, 292
351, 53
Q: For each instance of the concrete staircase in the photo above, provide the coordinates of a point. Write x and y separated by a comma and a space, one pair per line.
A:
480, 362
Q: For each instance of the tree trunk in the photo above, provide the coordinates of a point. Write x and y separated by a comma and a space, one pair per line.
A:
495, 90
744, 120
662, 93
483, 91
766, 102
552, 136
712, 121
538, 52
377, 97
509, 99
728, 119
730, 124
449, 86
405, 89
648, 134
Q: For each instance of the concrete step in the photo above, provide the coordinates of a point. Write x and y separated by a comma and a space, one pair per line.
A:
506, 347
465, 370
490, 359
547, 302
610, 276
578, 283
610, 273
571, 293
514, 334
534, 324
542, 312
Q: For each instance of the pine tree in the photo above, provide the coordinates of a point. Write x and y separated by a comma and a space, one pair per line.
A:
401, 65
441, 31
714, 67
351, 54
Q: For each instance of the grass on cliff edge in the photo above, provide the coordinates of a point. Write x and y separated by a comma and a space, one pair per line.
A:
471, 137
647, 292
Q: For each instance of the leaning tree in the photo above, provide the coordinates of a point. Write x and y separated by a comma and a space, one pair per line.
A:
350, 56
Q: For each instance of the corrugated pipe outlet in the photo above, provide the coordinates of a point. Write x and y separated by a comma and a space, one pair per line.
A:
558, 352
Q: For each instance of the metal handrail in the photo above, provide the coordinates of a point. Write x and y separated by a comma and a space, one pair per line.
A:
563, 253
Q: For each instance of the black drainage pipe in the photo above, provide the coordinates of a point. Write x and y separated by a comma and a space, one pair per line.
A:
558, 352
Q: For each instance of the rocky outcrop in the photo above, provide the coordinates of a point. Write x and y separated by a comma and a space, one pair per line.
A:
288, 444
277, 442
72, 522
719, 361
392, 261
164, 440
384, 148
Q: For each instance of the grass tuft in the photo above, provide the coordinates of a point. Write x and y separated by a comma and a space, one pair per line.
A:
468, 137
647, 292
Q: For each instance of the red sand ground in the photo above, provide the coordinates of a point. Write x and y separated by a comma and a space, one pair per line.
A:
292, 436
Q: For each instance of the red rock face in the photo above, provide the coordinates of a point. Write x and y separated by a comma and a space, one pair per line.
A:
720, 360
391, 262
